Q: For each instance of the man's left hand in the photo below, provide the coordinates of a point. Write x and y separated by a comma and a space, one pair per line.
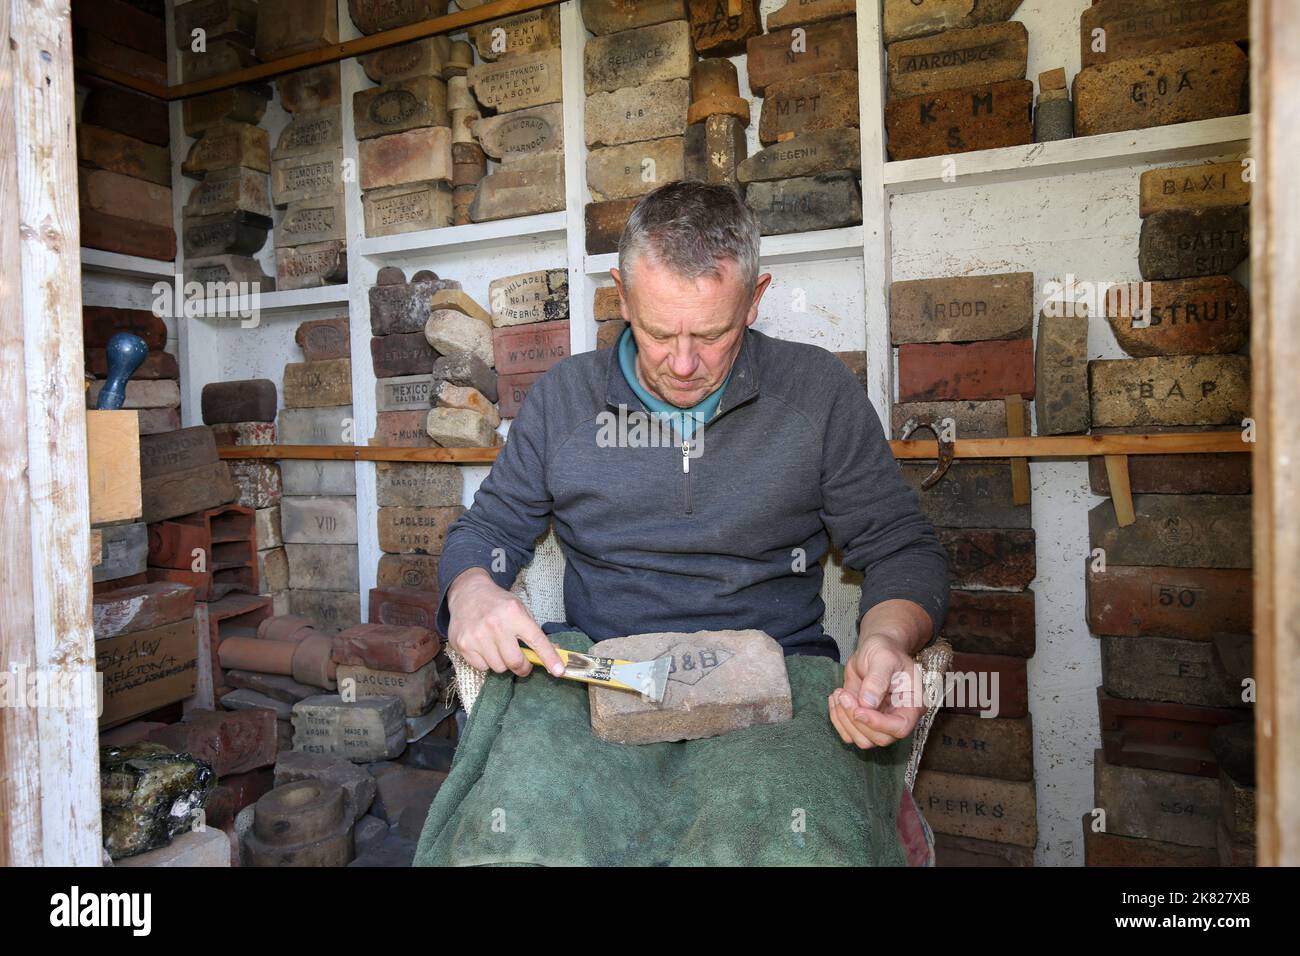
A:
866, 711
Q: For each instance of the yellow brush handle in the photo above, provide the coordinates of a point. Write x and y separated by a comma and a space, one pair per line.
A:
532, 656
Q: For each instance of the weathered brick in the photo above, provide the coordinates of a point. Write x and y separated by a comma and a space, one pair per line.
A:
714, 148
1193, 187
530, 348
602, 17
402, 430
956, 121
221, 57
1137, 27
408, 572
322, 567
635, 57
904, 19
285, 27
418, 530
956, 851
322, 519
229, 741
514, 389
311, 220
521, 135
958, 58
400, 106
798, 13
376, 16
227, 145
404, 607
105, 149
266, 522
125, 550
1185, 531
962, 308
402, 354
317, 384
718, 682
332, 611
421, 58
363, 731
809, 104
1156, 804
311, 265
240, 233
621, 172
158, 393
1190, 474
806, 204
417, 690
322, 339
404, 393
466, 370
1172, 390
986, 419
638, 113
400, 648
516, 83
988, 686
407, 208
991, 622
469, 399
218, 19
961, 743
806, 154
1004, 811
184, 491
1160, 88
532, 32
101, 323
1110, 849
315, 426
294, 765
978, 371
229, 268
827, 47
306, 176
1061, 375
1182, 243
239, 104
310, 89
411, 484
116, 195
248, 400
1159, 735
258, 482
130, 237
716, 31
981, 558
272, 571
461, 428
127, 112
605, 223
306, 477
608, 333
417, 155
235, 189
1197, 316
972, 494
141, 608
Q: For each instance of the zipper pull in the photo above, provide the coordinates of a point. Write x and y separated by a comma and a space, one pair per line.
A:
686, 457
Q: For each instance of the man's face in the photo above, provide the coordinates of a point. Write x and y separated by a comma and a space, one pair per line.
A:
688, 331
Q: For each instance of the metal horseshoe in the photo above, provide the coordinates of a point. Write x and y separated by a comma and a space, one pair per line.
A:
945, 447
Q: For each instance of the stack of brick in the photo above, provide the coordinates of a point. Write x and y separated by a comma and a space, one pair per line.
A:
515, 118
123, 140
1151, 63
404, 126
956, 78
964, 347
261, 485
228, 211
318, 510
530, 319
806, 70
637, 79
1169, 595
153, 390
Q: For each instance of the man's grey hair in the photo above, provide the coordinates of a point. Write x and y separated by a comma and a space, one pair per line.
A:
691, 227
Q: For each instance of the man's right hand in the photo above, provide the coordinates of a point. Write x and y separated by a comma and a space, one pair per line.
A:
487, 624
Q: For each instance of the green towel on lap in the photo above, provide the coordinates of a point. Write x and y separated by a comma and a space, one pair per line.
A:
531, 785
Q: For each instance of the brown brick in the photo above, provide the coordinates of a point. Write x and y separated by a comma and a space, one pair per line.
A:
418, 530
322, 567
1167, 669
1212, 474
958, 58
1184, 531
715, 31
718, 682
991, 622
118, 56
408, 208
798, 13
1197, 316
105, 149
408, 571
520, 135
1160, 88
605, 224
418, 155
828, 46
801, 104
957, 851
989, 558
638, 113
113, 194
417, 690
607, 333
314, 384
158, 393
972, 494
322, 339
974, 372
310, 265
310, 89
621, 172
402, 430
1193, 187
1181, 243
127, 112
529, 297
1186, 603
376, 16
228, 741
1002, 748
231, 144
400, 106
636, 57
1004, 680
606, 304
141, 608
516, 83
240, 104
129, 237
250, 400
417, 484
602, 17
1173, 390
218, 19
1002, 811
285, 27
962, 308
530, 348
1159, 735
514, 389
532, 32
222, 57
970, 419
1156, 804
1111, 849
957, 121
807, 154
231, 190
1137, 27
420, 58
403, 607
1061, 375
306, 176
240, 233
402, 648
155, 365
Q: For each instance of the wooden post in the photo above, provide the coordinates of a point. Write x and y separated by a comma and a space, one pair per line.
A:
1275, 355
49, 765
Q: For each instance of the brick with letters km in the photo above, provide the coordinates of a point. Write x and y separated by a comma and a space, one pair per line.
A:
989, 116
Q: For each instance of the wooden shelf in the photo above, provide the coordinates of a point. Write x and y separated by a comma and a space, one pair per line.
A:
1043, 446
1181, 142
820, 246
478, 236
130, 267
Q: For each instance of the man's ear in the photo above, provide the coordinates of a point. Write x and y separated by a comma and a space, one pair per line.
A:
622, 295
760, 287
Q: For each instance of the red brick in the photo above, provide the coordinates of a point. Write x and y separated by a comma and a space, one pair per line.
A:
101, 323
403, 607
991, 622
1012, 697
975, 372
530, 348
141, 608
386, 647
229, 741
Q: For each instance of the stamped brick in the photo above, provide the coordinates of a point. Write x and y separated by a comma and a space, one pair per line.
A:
316, 384
972, 494
316, 426
1156, 804
418, 155
522, 135
311, 221
322, 567
602, 17
307, 477
957, 121
404, 607
417, 690
530, 348
400, 106
809, 104
331, 611
363, 731
1003, 811
322, 519
958, 58
827, 47
1063, 405
227, 145
411, 207
1136, 27
1186, 531
989, 558
400, 355
806, 154
799, 13
637, 113
240, 104
809, 203
1182, 243
1002, 748
415, 530
323, 339
408, 571
621, 172
1193, 187
716, 31
310, 89
1197, 316
1184, 603
516, 83
427, 57
962, 308
231, 190
1160, 88
311, 265
990, 686
309, 133
532, 32
417, 484
514, 389
635, 57
402, 648
402, 430
991, 622
404, 393
718, 682
538, 296
248, 400
376, 16
285, 27
307, 177
1170, 390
